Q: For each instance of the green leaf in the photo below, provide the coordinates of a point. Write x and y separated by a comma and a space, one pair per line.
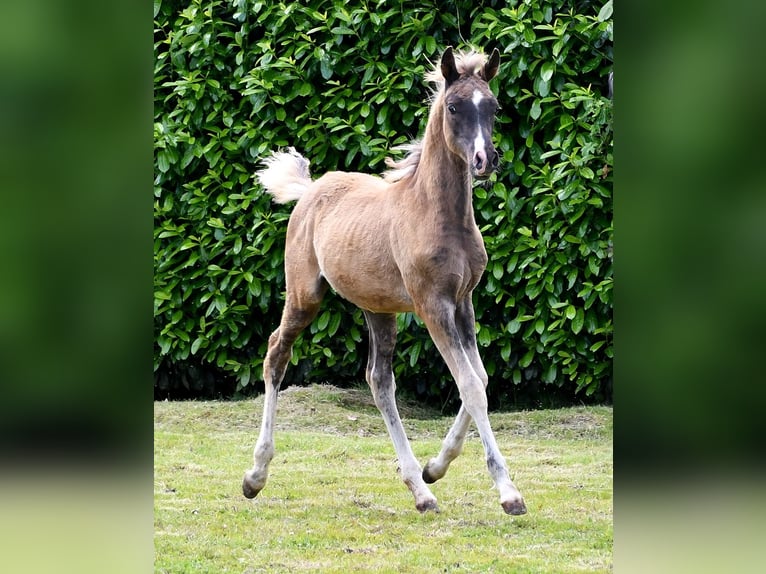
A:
597, 345
593, 266
526, 360
546, 71
164, 344
578, 321
558, 45
334, 324
163, 164
484, 337
243, 379
324, 320
325, 68
549, 374
535, 110
533, 289
606, 12
305, 89
196, 345
542, 87
431, 44
415, 352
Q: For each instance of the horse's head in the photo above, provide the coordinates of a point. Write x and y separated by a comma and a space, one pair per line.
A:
469, 112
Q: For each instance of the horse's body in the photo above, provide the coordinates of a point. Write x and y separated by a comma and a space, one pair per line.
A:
405, 243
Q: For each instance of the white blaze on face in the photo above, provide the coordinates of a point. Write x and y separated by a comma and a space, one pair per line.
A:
477, 97
478, 142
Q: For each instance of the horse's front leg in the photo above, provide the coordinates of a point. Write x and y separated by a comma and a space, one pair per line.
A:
380, 377
452, 445
458, 348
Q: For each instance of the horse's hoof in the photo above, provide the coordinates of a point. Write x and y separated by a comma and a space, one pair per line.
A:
428, 505
429, 476
251, 487
515, 507
248, 490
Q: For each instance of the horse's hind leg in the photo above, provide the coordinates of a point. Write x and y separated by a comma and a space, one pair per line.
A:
380, 377
299, 311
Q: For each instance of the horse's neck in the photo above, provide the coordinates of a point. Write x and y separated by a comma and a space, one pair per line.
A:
445, 182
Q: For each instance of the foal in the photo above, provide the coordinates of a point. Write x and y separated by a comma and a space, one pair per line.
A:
408, 242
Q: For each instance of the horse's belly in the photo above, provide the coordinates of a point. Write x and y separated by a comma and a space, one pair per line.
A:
356, 261
352, 215
365, 282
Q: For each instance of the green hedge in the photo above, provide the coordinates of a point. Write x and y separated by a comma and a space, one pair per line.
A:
342, 81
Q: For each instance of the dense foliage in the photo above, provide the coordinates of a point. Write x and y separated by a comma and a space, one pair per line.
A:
342, 81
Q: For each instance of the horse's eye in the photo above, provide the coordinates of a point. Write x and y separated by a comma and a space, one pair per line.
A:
452, 109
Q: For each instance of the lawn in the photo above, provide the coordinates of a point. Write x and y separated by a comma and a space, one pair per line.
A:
334, 502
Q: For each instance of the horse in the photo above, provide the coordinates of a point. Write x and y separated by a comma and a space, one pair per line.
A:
404, 242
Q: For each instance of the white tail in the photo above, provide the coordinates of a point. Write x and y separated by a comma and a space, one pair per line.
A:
285, 175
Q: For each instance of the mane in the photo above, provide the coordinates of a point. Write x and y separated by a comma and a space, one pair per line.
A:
405, 166
466, 63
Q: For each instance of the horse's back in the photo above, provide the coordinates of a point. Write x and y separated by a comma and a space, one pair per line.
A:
337, 185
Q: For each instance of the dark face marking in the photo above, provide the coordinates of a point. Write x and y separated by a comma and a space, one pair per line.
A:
469, 118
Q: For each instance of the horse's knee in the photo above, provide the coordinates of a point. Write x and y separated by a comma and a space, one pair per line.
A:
383, 388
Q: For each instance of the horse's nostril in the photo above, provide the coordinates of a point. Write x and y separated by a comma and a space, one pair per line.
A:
479, 161
495, 159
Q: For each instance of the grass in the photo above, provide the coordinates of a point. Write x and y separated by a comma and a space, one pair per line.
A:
334, 502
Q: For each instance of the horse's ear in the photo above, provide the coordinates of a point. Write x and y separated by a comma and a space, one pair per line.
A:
449, 69
491, 67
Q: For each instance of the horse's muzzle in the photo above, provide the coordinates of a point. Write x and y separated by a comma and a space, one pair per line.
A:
483, 166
